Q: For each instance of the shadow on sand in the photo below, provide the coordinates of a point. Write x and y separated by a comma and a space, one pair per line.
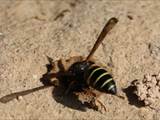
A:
58, 92
132, 97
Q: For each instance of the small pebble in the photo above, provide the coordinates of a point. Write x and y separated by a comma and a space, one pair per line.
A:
35, 76
20, 98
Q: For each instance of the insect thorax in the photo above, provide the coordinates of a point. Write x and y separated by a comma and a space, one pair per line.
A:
79, 69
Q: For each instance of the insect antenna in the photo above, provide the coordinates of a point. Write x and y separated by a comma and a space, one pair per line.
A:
109, 25
12, 96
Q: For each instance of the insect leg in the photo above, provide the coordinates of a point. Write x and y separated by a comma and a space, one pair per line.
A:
90, 99
46, 79
71, 87
61, 66
52, 65
94, 102
102, 105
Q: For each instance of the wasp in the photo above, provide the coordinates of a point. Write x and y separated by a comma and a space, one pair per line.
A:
79, 75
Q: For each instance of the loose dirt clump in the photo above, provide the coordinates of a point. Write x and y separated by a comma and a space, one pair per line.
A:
148, 90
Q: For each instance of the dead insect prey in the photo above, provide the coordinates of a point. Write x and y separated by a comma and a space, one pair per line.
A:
80, 76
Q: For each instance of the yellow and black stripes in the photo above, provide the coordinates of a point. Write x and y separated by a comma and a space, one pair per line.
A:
99, 78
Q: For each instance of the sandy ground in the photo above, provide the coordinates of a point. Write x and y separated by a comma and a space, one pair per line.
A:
30, 30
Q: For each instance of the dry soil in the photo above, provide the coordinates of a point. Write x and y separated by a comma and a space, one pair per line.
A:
30, 30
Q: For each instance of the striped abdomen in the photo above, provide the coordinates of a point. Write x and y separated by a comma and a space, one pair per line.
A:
100, 79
